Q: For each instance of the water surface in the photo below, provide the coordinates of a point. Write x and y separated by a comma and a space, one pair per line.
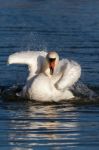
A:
70, 28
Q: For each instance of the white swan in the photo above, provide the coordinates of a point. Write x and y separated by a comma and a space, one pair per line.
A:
50, 79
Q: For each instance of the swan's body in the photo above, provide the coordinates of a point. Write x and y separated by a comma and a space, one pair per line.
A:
49, 79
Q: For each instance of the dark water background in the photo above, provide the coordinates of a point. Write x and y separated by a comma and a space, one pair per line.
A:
71, 27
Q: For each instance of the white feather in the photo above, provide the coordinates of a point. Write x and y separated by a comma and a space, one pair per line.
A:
71, 73
41, 86
33, 59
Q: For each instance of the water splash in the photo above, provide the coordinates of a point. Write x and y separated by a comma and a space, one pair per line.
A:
82, 90
33, 41
83, 94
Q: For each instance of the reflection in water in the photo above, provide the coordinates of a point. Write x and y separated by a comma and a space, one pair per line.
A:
42, 125
48, 126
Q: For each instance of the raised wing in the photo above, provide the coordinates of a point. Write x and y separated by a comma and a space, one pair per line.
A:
33, 59
71, 71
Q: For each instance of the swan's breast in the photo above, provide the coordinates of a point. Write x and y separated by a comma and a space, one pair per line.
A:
40, 88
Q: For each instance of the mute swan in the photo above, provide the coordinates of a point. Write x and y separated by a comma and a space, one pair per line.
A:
50, 79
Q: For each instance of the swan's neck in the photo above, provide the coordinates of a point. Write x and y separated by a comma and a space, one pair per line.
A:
46, 70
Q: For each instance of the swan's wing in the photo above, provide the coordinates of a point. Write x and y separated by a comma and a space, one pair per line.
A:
33, 59
71, 71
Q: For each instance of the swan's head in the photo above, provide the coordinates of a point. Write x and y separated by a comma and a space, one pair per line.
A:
52, 60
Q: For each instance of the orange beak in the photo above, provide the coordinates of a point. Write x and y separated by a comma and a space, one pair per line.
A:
52, 66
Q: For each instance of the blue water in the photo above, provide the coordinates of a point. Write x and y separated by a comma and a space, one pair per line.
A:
71, 28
